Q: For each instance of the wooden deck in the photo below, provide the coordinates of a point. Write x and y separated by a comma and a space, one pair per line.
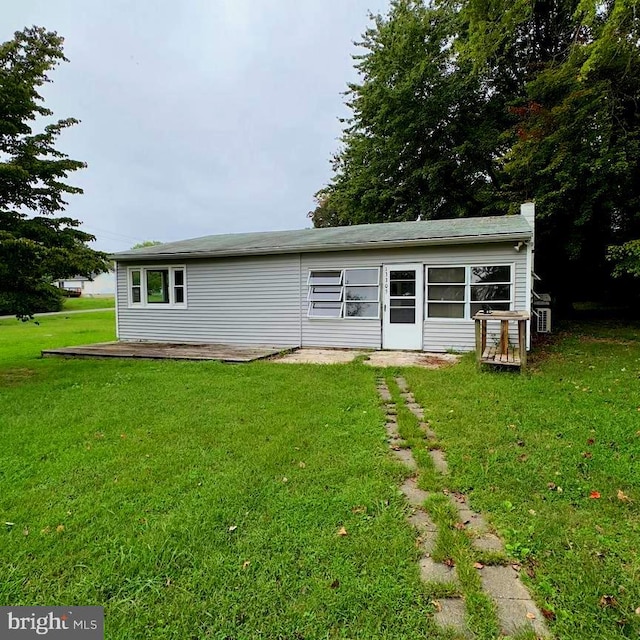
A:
492, 355
165, 351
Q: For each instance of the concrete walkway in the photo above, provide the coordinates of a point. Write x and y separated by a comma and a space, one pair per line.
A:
515, 610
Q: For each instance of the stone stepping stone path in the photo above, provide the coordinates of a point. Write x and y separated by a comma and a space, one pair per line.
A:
515, 609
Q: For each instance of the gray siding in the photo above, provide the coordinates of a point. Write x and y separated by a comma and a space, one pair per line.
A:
439, 335
263, 300
244, 301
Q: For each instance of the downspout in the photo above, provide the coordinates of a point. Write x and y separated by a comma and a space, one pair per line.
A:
300, 300
117, 267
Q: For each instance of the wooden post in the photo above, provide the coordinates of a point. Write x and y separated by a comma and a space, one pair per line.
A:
483, 324
522, 340
504, 336
479, 348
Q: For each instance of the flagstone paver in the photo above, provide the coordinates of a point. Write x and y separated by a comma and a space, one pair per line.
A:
450, 612
516, 610
488, 542
439, 461
406, 457
432, 571
414, 495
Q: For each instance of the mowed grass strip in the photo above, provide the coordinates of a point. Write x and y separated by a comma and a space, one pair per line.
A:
553, 459
199, 500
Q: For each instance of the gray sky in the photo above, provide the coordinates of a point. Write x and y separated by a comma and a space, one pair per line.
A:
198, 117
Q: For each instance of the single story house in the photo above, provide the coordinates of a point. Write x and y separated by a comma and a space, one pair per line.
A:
399, 285
101, 284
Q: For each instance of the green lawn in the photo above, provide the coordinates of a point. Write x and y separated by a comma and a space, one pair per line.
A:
530, 450
84, 303
199, 500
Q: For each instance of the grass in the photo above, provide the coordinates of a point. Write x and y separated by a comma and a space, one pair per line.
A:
552, 459
86, 303
199, 500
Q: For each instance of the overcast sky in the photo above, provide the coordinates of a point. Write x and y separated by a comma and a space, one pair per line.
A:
198, 116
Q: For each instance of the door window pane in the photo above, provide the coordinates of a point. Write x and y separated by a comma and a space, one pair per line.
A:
402, 275
448, 275
402, 315
158, 286
362, 309
445, 310
403, 288
402, 302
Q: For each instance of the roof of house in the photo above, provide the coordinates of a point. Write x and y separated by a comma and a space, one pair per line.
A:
365, 236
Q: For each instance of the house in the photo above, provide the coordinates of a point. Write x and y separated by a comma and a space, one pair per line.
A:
400, 285
102, 284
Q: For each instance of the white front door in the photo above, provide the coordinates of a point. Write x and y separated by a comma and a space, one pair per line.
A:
403, 306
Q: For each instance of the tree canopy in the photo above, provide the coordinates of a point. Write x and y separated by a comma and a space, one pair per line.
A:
37, 244
469, 108
146, 243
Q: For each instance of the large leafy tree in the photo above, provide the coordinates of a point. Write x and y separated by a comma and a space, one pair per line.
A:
423, 140
37, 244
468, 108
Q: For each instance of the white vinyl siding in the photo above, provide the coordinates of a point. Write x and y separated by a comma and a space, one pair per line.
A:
240, 301
264, 300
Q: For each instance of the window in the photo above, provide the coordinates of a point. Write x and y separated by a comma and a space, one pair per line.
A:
402, 297
346, 293
136, 288
461, 292
157, 287
490, 287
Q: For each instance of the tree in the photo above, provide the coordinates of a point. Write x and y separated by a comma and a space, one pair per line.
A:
469, 108
146, 243
423, 137
37, 244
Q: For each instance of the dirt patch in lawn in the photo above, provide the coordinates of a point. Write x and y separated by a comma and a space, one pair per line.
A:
411, 359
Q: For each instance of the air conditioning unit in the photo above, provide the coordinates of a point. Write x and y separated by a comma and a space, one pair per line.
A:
543, 317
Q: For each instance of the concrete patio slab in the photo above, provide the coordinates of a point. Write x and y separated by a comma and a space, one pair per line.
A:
321, 356
310, 355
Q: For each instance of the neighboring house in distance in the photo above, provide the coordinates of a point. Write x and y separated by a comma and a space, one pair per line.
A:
401, 285
103, 284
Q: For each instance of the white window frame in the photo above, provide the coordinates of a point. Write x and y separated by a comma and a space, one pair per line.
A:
467, 288
343, 299
144, 304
